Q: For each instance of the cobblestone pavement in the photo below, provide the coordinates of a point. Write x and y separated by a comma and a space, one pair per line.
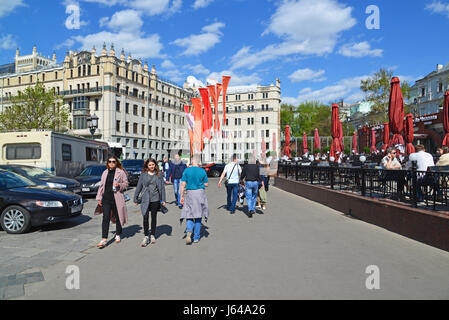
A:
296, 249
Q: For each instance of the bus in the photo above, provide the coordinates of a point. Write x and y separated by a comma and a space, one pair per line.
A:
61, 154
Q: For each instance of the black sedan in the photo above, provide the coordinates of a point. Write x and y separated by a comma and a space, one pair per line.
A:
44, 178
214, 169
90, 180
24, 204
133, 169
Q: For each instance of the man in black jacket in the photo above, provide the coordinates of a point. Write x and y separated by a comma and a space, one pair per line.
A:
176, 170
251, 174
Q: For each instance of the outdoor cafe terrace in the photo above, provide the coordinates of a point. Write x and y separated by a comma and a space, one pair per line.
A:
368, 181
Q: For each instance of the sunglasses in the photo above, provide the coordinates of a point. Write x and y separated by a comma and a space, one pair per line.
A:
112, 161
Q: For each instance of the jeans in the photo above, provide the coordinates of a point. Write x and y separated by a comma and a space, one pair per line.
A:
194, 225
176, 187
252, 187
232, 190
154, 207
108, 208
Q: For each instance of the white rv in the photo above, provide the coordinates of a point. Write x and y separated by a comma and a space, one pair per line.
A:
61, 154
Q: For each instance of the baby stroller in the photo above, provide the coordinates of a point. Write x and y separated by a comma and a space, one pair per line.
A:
241, 193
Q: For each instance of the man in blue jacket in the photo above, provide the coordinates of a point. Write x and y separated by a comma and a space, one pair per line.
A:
176, 171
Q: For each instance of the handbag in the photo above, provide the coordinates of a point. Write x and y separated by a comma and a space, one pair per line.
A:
227, 182
140, 195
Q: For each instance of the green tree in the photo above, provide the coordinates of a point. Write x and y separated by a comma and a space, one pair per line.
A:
377, 90
35, 108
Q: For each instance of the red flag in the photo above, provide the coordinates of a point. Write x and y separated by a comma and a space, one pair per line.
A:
198, 128
226, 80
207, 119
217, 118
213, 95
287, 141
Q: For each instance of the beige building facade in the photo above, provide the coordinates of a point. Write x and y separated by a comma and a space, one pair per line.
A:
136, 108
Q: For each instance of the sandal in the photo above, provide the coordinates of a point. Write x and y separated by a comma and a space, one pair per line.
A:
102, 244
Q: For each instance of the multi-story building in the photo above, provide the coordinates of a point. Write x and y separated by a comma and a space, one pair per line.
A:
136, 108
428, 92
252, 116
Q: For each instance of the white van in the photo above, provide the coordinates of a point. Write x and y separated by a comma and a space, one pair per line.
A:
61, 154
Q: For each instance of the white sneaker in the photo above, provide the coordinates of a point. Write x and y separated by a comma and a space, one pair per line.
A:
145, 242
153, 240
189, 238
258, 207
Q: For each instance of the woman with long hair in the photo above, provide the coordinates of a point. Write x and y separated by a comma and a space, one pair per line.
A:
150, 194
111, 196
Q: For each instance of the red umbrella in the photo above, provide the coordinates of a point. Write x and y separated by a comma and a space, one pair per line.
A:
409, 134
335, 129
304, 144
396, 112
287, 141
446, 118
354, 142
373, 140
386, 137
316, 142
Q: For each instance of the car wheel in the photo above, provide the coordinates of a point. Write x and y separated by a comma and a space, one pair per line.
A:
215, 174
15, 220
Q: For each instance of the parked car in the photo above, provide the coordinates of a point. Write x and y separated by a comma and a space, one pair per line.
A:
90, 180
44, 178
133, 169
214, 169
24, 204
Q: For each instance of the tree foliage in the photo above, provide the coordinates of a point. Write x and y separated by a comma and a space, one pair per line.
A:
34, 108
308, 116
377, 90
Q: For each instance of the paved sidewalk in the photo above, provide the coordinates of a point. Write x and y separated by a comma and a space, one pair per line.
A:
296, 249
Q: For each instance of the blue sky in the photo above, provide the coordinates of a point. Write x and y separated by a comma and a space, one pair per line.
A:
320, 49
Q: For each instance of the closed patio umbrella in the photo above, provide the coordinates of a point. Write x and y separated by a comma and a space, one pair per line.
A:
354, 143
386, 137
316, 142
409, 134
396, 113
373, 140
304, 144
446, 118
287, 141
335, 131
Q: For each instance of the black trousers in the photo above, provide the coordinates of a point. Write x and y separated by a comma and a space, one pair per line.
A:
108, 208
153, 209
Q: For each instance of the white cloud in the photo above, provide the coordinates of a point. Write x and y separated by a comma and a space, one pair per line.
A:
7, 42
137, 43
305, 26
347, 89
173, 75
198, 69
7, 6
125, 21
359, 50
202, 3
167, 64
307, 74
157, 7
236, 79
439, 7
193, 82
108, 3
196, 44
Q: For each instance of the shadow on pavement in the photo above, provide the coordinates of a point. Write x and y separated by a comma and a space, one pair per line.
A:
68, 224
131, 231
164, 229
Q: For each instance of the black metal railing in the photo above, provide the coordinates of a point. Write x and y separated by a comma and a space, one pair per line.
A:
417, 188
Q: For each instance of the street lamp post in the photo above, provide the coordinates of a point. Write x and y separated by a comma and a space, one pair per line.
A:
92, 124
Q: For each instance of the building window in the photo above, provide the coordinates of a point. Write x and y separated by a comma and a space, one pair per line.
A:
135, 128
135, 143
143, 129
135, 110
268, 134
440, 87
96, 104
127, 127
117, 106
127, 108
79, 122
117, 125
143, 111
80, 103
423, 92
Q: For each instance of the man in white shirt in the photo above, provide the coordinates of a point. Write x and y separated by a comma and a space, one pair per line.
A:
424, 160
232, 172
